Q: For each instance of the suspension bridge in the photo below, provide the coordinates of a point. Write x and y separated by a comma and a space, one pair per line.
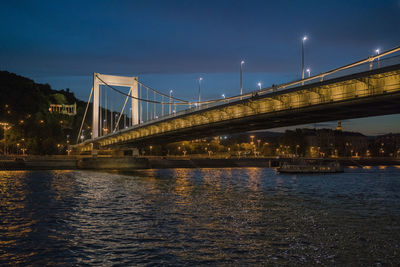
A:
369, 87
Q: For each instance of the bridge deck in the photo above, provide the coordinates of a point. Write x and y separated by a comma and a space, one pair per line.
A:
369, 93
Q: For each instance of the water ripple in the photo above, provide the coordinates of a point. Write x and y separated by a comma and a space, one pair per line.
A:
232, 216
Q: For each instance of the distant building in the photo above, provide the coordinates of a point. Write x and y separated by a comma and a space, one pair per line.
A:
335, 143
69, 110
387, 145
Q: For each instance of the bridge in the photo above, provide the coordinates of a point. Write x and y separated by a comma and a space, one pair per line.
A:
369, 87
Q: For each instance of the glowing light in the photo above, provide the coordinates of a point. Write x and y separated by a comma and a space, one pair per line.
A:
305, 38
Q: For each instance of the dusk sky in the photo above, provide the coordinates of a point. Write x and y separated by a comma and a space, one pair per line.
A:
170, 44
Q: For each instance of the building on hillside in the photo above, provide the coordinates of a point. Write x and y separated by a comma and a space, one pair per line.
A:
69, 110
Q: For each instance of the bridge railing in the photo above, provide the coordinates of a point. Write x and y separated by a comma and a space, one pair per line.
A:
366, 66
375, 62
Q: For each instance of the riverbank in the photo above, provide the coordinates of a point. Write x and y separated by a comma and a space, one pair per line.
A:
38, 163
100, 163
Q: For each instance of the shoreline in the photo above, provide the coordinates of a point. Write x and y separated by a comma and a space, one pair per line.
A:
124, 163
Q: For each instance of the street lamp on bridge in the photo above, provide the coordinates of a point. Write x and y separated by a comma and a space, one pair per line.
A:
259, 86
377, 51
200, 79
170, 95
302, 56
241, 77
309, 72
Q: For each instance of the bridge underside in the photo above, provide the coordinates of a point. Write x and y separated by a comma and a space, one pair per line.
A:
370, 93
383, 105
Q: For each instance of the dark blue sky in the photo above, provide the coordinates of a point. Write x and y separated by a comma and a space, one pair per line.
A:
169, 44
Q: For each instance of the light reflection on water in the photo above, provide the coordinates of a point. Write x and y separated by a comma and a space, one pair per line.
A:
231, 216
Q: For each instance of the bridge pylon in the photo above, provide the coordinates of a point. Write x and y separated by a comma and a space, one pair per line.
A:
113, 80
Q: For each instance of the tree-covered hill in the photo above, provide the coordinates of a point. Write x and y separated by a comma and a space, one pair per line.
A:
24, 105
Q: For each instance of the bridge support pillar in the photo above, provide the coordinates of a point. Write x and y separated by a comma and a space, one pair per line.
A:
102, 79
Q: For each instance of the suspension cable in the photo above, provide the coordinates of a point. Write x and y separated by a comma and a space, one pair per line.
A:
141, 99
122, 111
84, 116
160, 93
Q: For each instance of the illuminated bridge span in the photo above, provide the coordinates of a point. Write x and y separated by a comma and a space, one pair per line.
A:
366, 88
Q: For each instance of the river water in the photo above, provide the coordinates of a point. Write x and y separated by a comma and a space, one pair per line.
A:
230, 216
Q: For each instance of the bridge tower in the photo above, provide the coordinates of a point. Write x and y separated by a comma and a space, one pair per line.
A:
113, 80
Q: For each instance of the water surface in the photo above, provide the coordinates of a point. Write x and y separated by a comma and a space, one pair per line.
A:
232, 216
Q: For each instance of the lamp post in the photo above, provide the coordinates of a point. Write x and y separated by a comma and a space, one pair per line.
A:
252, 139
259, 86
302, 56
170, 95
377, 51
309, 72
241, 77
200, 79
